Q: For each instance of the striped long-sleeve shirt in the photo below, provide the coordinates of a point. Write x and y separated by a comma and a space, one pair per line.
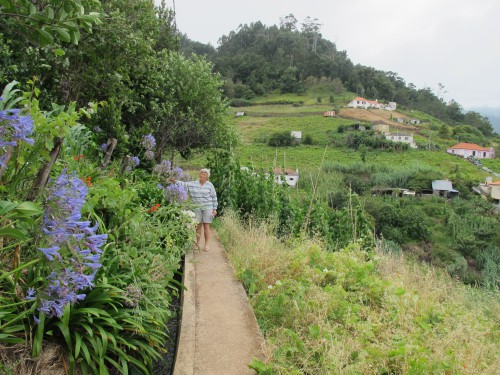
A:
203, 196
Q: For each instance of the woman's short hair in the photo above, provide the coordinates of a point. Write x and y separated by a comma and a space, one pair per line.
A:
205, 170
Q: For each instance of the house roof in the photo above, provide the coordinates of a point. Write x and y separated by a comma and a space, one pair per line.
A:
359, 98
442, 185
494, 183
372, 101
469, 146
286, 171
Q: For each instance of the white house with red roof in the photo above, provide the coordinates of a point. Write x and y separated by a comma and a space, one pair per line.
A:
359, 102
471, 149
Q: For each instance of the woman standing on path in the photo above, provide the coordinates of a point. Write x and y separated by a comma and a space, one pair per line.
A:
203, 195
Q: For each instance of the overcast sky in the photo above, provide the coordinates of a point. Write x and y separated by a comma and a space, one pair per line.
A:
453, 42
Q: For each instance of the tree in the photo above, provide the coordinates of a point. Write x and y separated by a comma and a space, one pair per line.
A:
288, 23
188, 110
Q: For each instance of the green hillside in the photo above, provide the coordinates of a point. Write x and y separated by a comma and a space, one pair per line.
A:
334, 161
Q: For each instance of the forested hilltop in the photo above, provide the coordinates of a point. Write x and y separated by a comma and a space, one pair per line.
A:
257, 59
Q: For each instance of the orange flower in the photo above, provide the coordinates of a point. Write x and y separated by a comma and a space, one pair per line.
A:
154, 208
78, 157
87, 181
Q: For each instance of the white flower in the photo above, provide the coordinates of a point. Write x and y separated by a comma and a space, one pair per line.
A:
269, 287
277, 282
325, 269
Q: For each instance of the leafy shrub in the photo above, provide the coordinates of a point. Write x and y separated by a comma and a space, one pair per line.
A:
282, 139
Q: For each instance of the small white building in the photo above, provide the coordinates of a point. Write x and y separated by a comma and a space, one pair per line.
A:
471, 149
329, 114
414, 121
391, 106
239, 114
297, 136
289, 176
402, 137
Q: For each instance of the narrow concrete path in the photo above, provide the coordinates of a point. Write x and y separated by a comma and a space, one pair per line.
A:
219, 334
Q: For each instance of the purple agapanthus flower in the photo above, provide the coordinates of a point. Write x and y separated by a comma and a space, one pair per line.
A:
104, 147
14, 128
176, 193
148, 142
133, 161
73, 245
149, 155
164, 168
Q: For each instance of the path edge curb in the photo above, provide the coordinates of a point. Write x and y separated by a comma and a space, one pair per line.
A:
186, 346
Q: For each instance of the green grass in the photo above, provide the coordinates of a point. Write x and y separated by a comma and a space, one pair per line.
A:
351, 312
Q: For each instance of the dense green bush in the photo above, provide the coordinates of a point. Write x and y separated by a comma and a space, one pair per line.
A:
282, 139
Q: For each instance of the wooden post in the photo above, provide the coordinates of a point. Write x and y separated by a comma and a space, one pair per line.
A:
111, 147
44, 172
125, 163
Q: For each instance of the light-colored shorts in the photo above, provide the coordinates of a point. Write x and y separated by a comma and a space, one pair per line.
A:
203, 216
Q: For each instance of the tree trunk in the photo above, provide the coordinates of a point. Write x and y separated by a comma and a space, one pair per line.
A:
111, 147
44, 172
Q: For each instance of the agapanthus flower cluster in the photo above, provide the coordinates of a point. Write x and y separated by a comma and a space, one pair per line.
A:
149, 143
176, 193
104, 147
14, 128
132, 162
72, 244
165, 170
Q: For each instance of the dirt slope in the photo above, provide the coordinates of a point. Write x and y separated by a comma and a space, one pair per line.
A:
375, 115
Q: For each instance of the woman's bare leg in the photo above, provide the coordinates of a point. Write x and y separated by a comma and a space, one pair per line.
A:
206, 233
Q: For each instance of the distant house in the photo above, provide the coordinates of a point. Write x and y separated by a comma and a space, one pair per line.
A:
399, 120
289, 176
444, 188
490, 189
239, 114
471, 149
495, 190
297, 136
414, 121
358, 102
391, 106
329, 114
374, 104
402, 137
